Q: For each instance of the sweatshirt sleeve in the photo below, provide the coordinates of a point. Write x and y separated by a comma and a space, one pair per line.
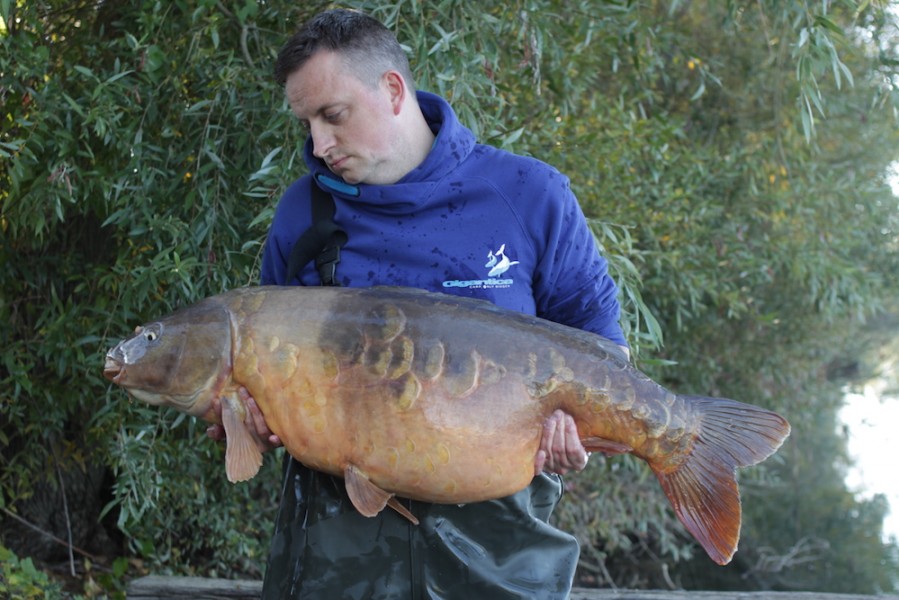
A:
274, 264
292, 218
572, 285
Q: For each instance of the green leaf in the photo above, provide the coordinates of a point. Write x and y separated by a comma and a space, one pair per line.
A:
74, 104
118, 76
119, 567
84, 71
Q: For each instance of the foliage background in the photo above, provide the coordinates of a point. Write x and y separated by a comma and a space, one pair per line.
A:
733, 155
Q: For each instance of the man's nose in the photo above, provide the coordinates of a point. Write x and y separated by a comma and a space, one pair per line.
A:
322, 140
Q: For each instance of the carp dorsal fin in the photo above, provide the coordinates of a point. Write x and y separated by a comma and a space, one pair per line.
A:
242, 456
368, 498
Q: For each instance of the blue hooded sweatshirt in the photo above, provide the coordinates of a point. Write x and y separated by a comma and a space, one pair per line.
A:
471, 220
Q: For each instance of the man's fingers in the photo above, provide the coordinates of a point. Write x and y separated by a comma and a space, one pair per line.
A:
265, 439
259, 423
546, 441
553, 443
560, 440
577, 456
539, 462
253, 412
560, 447
256, 415
215, 432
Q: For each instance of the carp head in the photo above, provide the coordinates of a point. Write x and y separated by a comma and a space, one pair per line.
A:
182, 360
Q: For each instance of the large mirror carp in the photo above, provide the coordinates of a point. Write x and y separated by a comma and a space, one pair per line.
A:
436, 398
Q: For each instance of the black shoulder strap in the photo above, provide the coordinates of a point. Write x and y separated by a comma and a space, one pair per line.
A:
322, 241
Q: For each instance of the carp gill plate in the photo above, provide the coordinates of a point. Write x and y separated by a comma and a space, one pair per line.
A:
436, 397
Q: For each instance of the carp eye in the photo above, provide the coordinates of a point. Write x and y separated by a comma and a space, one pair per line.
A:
152, 333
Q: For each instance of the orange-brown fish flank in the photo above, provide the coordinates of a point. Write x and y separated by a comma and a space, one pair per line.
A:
437, 398
655, 416
377, 358
460, 373
490, 373
387, 354
530, 370
548, 373
427, 360
624, 398
253, 303
406, 390
330, 366
246, 363
559, 368
384, 322
598, 401
663, 429
401, 350
285, 359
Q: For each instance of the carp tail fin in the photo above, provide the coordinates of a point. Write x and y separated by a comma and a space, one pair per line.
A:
242, 456
703, 487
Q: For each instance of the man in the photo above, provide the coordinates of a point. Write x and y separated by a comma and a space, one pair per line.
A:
425, 206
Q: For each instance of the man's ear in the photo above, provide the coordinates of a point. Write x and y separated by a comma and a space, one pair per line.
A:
396, 89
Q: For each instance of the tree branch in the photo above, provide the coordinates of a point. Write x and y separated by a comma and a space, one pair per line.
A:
84, 553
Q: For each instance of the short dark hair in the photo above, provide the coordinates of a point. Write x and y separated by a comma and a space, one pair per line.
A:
366, 45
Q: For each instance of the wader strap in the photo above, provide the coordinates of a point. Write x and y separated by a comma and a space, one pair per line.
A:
322, 241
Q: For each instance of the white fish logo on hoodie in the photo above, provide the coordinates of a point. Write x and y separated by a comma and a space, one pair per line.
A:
498, 262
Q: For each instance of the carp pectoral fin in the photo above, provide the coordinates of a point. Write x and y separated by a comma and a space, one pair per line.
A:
702, 488
368, 498
242, 457
607, 447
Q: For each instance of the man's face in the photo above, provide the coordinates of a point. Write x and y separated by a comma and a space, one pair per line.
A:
351, 123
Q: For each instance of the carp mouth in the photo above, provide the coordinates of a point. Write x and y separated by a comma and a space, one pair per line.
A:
112, 370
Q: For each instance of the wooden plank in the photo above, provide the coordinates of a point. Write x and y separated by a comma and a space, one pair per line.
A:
156, 587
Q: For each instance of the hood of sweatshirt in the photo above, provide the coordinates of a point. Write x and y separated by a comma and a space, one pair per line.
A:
453, 144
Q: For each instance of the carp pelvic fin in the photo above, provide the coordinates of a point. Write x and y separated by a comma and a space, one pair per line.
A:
368, 498
394, 503
242, 457
703, 487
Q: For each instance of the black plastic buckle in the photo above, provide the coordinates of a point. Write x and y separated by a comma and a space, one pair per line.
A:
326, 263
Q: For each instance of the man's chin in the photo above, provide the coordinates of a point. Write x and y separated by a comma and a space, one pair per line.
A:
347, 176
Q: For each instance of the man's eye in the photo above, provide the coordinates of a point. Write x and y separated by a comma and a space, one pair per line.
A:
333, 117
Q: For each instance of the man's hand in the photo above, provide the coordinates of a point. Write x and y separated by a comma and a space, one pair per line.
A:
560, 448
265, 439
